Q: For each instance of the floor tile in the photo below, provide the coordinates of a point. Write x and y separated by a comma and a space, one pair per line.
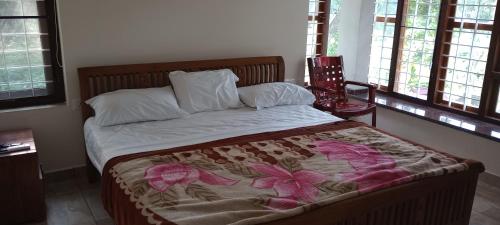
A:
108, 221
480, 219
61, 187
93, 199
68, 209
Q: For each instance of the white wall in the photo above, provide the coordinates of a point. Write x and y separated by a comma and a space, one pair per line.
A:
364, 34
97, 32
433, 135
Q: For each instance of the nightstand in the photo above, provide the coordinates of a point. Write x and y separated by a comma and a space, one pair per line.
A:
21, 181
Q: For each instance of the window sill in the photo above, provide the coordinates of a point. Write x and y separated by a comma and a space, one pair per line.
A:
31, 108
445, 118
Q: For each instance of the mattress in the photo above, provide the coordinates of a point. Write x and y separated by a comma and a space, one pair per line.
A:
105, 143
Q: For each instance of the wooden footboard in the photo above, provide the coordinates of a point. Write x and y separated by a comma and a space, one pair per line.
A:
443, 200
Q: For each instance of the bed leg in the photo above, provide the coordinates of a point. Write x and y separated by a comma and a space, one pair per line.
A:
374, 118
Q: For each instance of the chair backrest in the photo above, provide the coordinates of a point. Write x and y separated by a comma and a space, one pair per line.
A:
328, 73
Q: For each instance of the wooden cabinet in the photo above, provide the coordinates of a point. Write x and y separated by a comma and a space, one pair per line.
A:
21, 181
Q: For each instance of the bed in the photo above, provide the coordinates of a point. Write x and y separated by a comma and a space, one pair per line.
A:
234, 148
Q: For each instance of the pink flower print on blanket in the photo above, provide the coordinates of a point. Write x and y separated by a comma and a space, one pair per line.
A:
368, 181
290, 187
358, 156
372, 169
161, 177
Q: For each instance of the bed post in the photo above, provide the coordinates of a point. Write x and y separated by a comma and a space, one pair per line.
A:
91, 171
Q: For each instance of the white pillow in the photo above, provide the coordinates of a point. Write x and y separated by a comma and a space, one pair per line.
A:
275, 94
135, 105
206, 90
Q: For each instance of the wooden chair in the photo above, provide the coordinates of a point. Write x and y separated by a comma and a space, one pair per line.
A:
328, 85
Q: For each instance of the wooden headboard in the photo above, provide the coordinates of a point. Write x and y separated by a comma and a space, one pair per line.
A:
98, 80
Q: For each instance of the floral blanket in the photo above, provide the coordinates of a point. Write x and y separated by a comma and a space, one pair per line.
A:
265, 177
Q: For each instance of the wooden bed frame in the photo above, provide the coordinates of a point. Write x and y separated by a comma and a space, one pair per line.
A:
443, 200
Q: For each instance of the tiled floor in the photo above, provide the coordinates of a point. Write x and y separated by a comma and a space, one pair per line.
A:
486, 210
72, 201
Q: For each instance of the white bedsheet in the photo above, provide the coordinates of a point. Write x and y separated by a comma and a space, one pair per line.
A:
105, 143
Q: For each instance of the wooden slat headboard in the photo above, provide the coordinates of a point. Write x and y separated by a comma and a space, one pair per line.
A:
98, 80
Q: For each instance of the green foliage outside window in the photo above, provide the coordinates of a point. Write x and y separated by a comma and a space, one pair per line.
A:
334, 34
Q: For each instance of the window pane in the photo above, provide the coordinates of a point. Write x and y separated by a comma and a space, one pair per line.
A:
310, 45
315, 25
16, 59
333, 29
418, 41
498, 101
11, 8
311, 38
382, 42
467, 47
18, 75
41, 73
313, 7
22, 8
34, 7
312, 28
25, 66
3, 77
37, 42
36, 26
14, 42
9, 26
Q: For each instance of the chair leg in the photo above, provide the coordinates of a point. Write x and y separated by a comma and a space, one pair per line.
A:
374, 118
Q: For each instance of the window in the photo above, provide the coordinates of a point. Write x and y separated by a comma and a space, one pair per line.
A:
322, 30
418, 35
316, 27
29, 70
438, 51
382, 43
415, 49
462, 64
